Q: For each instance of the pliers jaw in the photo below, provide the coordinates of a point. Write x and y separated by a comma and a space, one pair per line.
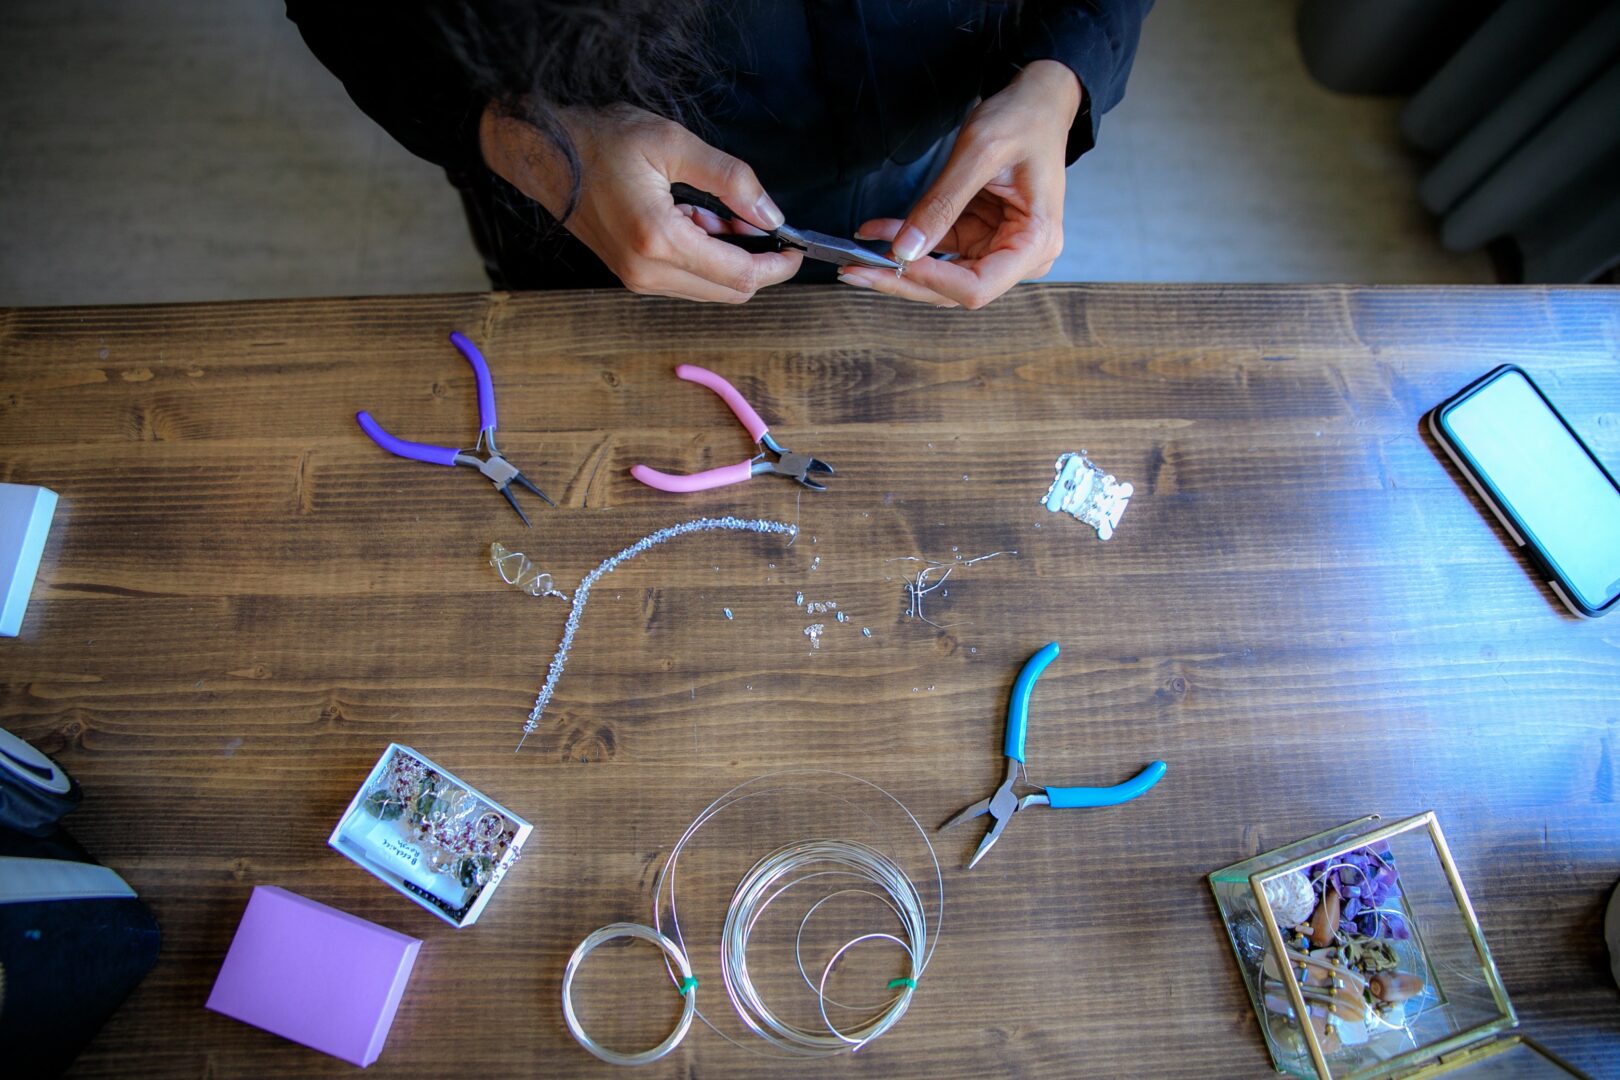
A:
787, 463
814, 245
503, 474
794, 467
1001, 807
831, 249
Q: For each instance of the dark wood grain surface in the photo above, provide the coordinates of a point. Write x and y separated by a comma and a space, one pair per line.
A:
1304, 613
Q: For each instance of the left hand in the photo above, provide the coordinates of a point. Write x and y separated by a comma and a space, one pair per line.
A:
997, 205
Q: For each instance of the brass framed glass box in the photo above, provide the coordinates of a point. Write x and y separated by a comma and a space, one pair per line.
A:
1366, 934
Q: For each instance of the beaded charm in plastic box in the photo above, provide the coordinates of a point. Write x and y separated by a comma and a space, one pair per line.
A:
429, 835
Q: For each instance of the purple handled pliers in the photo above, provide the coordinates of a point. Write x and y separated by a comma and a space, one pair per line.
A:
483, 456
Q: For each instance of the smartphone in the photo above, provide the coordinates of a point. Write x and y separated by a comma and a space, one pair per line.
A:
1547, 488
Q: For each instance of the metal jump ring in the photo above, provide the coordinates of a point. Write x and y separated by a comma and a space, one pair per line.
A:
673, 951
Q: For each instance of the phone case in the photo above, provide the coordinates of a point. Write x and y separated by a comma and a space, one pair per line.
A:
1560, 588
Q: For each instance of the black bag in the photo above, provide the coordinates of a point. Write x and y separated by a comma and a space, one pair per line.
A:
34, 790
74, 938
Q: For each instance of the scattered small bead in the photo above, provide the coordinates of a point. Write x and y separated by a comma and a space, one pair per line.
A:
728, 613
866, 631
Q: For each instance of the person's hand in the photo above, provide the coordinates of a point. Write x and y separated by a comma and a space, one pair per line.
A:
997, 205
624, 213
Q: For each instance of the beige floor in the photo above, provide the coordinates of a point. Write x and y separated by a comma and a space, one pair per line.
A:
1226, 162
163, 150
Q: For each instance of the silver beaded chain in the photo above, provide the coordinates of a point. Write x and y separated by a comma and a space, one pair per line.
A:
581, 594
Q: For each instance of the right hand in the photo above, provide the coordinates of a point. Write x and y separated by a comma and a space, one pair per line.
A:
628, 159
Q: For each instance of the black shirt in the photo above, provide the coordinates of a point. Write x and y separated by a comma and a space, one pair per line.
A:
816, 95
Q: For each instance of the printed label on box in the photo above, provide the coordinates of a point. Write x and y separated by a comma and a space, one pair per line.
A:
383, 844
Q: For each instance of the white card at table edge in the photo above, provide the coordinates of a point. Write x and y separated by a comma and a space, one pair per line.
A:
25, 518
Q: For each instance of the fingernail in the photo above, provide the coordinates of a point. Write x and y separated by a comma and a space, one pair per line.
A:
909, 245
862, 234
852, 279
769, 215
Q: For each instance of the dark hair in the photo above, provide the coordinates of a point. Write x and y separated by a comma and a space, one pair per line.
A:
530, 57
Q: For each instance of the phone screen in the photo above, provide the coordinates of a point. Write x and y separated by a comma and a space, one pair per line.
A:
1541, 473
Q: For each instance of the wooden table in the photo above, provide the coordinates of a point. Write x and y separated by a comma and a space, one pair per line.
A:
1303, 612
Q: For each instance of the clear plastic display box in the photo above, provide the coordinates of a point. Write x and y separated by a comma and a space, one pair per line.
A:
1367, 932
441, 842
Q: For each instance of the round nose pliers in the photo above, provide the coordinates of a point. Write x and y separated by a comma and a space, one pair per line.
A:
483, 456
786, 463
1006, 802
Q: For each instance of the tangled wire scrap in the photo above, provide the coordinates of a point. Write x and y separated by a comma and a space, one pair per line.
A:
920, 585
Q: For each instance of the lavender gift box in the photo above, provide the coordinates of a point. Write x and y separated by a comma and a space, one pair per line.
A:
314, 974
439, 841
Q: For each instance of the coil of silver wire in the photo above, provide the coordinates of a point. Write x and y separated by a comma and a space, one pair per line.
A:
781, 871
857, 869
687, 985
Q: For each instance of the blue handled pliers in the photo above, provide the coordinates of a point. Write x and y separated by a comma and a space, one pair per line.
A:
1005, 802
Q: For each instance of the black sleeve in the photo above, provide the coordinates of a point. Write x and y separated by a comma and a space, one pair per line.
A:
1095, 39
393, 61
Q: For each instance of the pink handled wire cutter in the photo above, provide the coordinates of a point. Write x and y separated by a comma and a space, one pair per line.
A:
785, 463
483, 456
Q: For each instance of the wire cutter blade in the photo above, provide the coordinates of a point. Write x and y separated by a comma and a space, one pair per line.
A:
787, 463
